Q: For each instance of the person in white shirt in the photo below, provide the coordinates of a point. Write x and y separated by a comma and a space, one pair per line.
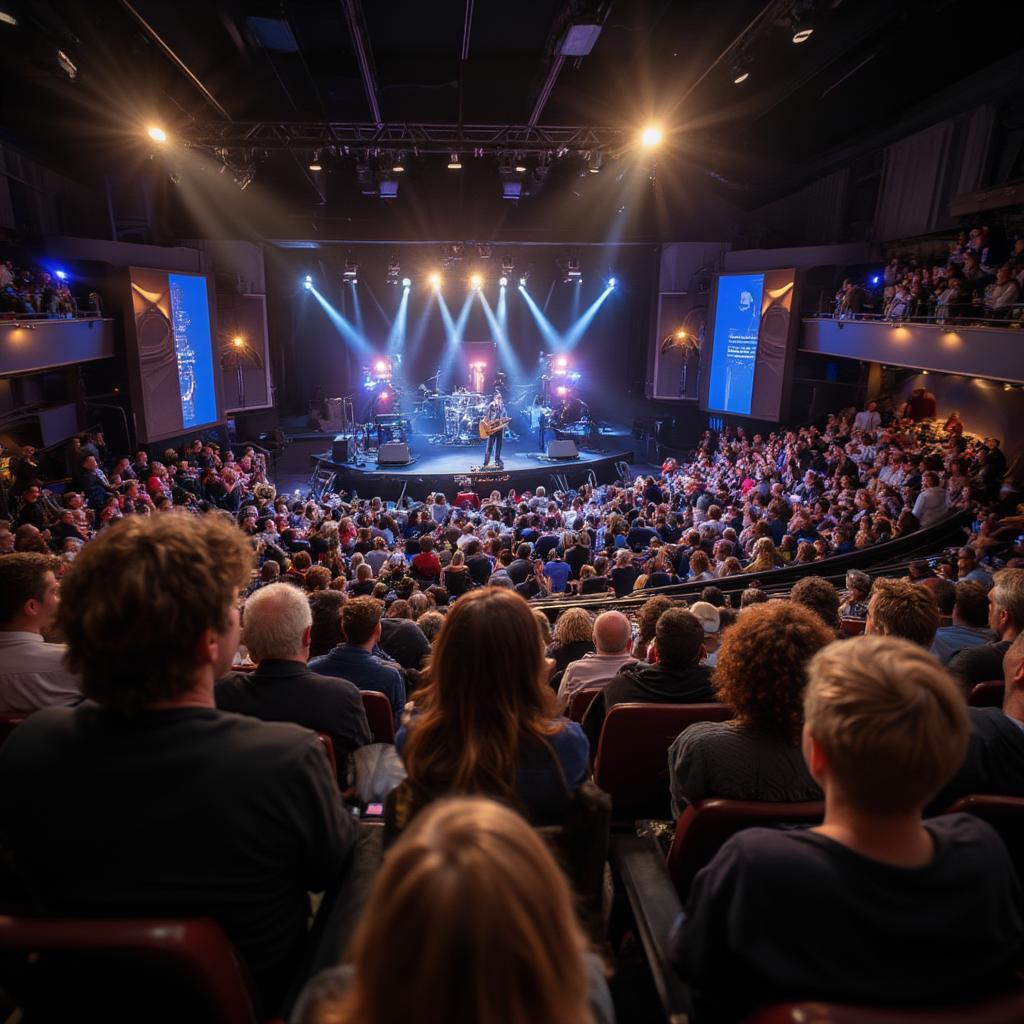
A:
612, 637
868, 419
931, 505
32, 672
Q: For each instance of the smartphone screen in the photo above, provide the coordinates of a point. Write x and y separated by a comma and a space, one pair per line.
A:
375, 809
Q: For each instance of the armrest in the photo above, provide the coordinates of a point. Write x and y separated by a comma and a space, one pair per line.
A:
655, 905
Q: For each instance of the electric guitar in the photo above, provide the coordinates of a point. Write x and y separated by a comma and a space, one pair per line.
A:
488, 427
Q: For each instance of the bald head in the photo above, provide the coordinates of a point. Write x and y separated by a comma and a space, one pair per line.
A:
276, 623
612, 633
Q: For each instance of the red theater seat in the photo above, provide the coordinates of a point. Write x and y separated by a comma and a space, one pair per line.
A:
703, 827
329, 749
578, 704
852, 627
632, 754
8, 723
379, 716
987, 695
190, 959
1005, 1009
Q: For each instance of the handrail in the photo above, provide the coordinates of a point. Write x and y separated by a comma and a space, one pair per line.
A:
1006, 323
9, 317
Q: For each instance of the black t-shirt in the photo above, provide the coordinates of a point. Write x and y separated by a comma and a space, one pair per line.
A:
979, 664
404, 641
188, 811
479, 567
576, 557
793, 915
519, 569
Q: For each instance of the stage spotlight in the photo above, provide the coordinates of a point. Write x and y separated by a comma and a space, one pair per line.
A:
381, 366
351, 273
740, 75
612, 282
307, 283
561, 391
7, 18
394, 270
435, 280
651, 136
314, 164
476, 281
406, 282
157, 134
454, 163
595, 162
522, 281
238, 341
62, 274
520, 167
502, 282
398, 165
803, 35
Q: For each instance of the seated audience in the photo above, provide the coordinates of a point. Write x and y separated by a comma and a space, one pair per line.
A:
176, 807
970, 623
469, 920
354, 659
902, 608
612, 635
968, 569
858, 589
874, 906
32, 672
485, 720
980, 664
647, 622
325, 606
761, 674
573, 638
820, 597
277, 633
677, 678
402, 639
710, 619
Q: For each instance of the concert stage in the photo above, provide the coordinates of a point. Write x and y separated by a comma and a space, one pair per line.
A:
450, 469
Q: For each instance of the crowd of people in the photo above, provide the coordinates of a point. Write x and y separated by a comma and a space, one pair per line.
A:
40, 293
979, 279
194, 659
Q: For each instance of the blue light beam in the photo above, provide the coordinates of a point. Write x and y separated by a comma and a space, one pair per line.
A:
551, 337
576, 332
345, 329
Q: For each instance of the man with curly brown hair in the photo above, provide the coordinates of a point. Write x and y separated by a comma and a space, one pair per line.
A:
160, 802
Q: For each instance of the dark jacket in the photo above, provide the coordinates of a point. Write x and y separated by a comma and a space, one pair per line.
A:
648, 684
565, 654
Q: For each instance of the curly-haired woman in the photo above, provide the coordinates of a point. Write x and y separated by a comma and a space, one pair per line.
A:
761, 674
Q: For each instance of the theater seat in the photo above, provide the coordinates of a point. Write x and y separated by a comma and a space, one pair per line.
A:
852, 627
987, 695
118, 968
704, 826
632, 754
1005, 1009
8, 723
578, 704
1005, 814
329, 750
379, 716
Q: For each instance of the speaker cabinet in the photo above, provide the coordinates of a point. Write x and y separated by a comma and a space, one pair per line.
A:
343, 448
394, 453
563, 449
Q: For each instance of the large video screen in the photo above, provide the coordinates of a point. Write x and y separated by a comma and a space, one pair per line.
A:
172, 354
750, 359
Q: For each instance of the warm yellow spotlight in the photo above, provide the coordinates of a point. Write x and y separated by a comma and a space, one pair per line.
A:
651, 136
803, 35
476, 281
157, 134
238, 341
741, 78
435, 280
680, 334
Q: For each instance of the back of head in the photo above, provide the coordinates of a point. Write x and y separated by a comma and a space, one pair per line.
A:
574, 625
360, 618
971, 605
890, 719
820, 596
276, 617
486, 690
22, 579
680, 637
473, 915
650, 611
713, 596
326, 608
612, 633
761, 671
904, 609
139, 598
1007, 595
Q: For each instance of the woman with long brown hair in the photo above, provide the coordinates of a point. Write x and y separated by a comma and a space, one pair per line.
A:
485, 722
469, 921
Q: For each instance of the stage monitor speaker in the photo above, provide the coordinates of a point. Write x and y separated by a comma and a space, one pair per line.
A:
563, 449
343, 448
394, 453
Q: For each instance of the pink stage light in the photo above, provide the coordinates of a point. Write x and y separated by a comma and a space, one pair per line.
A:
381, 366
562, 391
384, 396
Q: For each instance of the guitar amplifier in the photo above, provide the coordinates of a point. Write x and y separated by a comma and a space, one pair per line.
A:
563, 449
343, 448
394, 453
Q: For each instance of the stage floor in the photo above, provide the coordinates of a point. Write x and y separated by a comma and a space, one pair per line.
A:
448, 469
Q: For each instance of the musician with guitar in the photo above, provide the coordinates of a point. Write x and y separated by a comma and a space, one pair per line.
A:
492, 427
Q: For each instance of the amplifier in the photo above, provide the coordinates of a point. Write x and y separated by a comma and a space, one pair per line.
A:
563, 449
343, 449
393, 453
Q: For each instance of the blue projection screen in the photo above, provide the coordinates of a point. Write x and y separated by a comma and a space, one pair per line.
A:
734, 342
190, 322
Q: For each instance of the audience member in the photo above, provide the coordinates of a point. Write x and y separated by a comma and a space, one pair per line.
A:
325, 606
901, 608
710, 619
970, 622
820, 597
612, 635
573, 638
980, 664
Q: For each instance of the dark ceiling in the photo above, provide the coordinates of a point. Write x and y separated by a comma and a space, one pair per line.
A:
866, 63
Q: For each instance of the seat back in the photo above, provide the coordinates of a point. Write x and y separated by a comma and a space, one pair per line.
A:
987, 695
329, 750
8, 723
1004, 1009
190, 960
579, 702
704, 826
632, 754
1005, 814
379, 716
852, 627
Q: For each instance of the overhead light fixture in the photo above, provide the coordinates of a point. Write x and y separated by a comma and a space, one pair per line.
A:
741, 77
579, 40
307, 283
157, 134
67, 65
476, 281
522, 281
398, 164
503, 281
238, 341
595, 162
406, 282
612, 282
651, 137
454, 163
8, 19
314, 164
435, 280
520, 167
803, 35
61, 274
511, 190
351, 272
388, 188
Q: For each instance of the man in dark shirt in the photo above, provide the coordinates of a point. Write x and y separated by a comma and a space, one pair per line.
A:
521, 567
156, 803
354, 660
278, 628
478, 564
677, 678
31, 510
404, 641
873, 906
1006, 619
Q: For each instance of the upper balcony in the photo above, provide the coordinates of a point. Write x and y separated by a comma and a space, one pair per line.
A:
29, 344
